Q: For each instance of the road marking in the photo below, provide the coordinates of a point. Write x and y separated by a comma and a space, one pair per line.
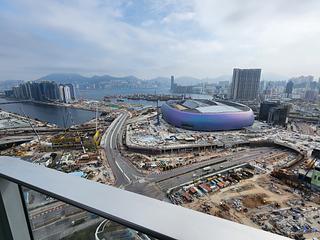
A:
111, 139
123, 172
115, 128
112, 133
111, 127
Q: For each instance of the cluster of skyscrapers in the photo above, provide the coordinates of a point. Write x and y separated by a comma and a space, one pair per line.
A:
244, 87
289, 89
303, 87
175, 88
44, 91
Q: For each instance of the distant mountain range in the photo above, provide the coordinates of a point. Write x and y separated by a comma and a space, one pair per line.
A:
67, 77
77, 78
105, 81
129, 81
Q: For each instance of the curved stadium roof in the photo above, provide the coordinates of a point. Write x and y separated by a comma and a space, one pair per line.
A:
207, 115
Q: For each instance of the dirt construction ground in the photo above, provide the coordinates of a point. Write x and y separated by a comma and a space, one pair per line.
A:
261, 201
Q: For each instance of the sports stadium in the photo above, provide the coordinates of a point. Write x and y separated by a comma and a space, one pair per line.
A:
207, 115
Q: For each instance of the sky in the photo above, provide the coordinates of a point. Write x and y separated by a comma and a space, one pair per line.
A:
199, 38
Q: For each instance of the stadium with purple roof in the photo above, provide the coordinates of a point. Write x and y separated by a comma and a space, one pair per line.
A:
207, 115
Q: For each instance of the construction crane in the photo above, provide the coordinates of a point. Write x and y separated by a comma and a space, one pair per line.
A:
158, 113
97, 119
33, 129
73, 123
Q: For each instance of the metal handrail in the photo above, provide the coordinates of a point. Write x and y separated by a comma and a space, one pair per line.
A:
150, 216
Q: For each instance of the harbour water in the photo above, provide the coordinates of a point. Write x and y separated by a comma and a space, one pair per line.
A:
98, 94
61, 116
65, 117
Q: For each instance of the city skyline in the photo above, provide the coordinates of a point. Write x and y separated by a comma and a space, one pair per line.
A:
268, 77
152, 39
42, 91
161, 119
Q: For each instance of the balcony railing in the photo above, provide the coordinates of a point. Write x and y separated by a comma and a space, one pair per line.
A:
143, 215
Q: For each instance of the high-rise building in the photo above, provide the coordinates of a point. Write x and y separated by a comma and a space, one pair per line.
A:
173, 85
245, 84
274, 113
9, 93
43, 91
61, 93
66, 92
278, 115
25, 91
49, 90
72, 91
262, 86
265, 108
302, 80
289, 88
35, 92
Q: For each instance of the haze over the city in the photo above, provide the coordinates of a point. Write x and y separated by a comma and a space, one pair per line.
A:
158, 38
159, 119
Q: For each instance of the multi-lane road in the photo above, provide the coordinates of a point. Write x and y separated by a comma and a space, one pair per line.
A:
167, 181
154, 185
127, 176
125, 173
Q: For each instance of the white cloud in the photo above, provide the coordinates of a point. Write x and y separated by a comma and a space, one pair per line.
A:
177, 17
197, 38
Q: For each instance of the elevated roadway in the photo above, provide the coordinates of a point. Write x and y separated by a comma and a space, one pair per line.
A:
125, 173
41, 130
153, 185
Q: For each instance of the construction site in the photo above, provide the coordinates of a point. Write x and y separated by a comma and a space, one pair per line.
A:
262, 176
149, 133
218, 174
75, 150
167, 161
265, 194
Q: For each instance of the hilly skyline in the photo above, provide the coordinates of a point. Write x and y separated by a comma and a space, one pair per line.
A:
76, 78
82, 80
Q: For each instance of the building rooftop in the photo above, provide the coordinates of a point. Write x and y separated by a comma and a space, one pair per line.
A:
207, 106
